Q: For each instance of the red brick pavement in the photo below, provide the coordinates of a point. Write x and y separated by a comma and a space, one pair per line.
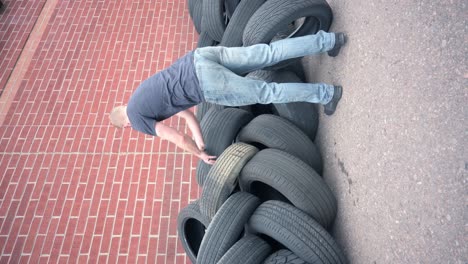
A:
16, 23
74, 189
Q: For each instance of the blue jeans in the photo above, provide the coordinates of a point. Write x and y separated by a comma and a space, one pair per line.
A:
219, 68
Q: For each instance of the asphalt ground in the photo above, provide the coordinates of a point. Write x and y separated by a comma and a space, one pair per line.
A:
395, 151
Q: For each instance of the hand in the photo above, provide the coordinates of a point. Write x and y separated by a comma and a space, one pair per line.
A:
200, 144
210, 160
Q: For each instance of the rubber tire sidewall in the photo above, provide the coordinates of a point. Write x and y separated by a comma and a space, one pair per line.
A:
226, 227
294, 179
222, 178
190, 213
296, 231
283, 256
219, 128
213, 18
250, 249
232, 36
302, 114
275, 15
277, 132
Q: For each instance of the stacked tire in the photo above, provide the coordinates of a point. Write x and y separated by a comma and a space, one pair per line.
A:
263, 194
264, 200
236, 23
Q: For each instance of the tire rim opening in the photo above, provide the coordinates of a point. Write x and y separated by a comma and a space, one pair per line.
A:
299, 27
194, 232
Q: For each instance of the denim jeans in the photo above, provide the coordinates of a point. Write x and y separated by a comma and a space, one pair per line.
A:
219, 68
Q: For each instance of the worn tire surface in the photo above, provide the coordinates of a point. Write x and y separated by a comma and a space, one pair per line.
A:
205, 40
275, 15
230, 6
232, 36
195, 11
219, 128
283, 256
222, 178
293, 179
203, 108
277, 132
296, 231
248, 250
213, 18
226, 227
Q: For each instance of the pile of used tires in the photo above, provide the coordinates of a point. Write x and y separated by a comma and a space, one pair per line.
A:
264, 200
233, 23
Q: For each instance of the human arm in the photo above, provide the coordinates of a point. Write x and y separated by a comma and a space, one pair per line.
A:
194, 126
183, 141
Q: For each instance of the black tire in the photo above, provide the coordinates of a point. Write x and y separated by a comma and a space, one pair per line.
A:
203, 108
191, 7
226, 227
213, 18
248, 250
296, 231
271, 171
302, 114
298, 69
283, 256
286, 77
277, 132
219, 128
204, 40
195, 10
191, 226
232, 36
222, 178
261, 109
230, 7
276, 15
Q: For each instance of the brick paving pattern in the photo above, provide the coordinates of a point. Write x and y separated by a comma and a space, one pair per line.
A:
16, 23
73, 189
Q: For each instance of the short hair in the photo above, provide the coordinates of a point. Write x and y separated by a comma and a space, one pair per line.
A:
118, 116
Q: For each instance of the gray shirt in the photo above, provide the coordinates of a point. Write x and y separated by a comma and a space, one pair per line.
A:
164, 94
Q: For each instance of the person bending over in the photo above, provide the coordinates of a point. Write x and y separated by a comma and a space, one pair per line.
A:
214, 75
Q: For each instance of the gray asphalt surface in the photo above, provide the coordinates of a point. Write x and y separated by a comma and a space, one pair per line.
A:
395, 150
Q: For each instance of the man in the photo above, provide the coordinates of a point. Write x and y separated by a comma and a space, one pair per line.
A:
213, 74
